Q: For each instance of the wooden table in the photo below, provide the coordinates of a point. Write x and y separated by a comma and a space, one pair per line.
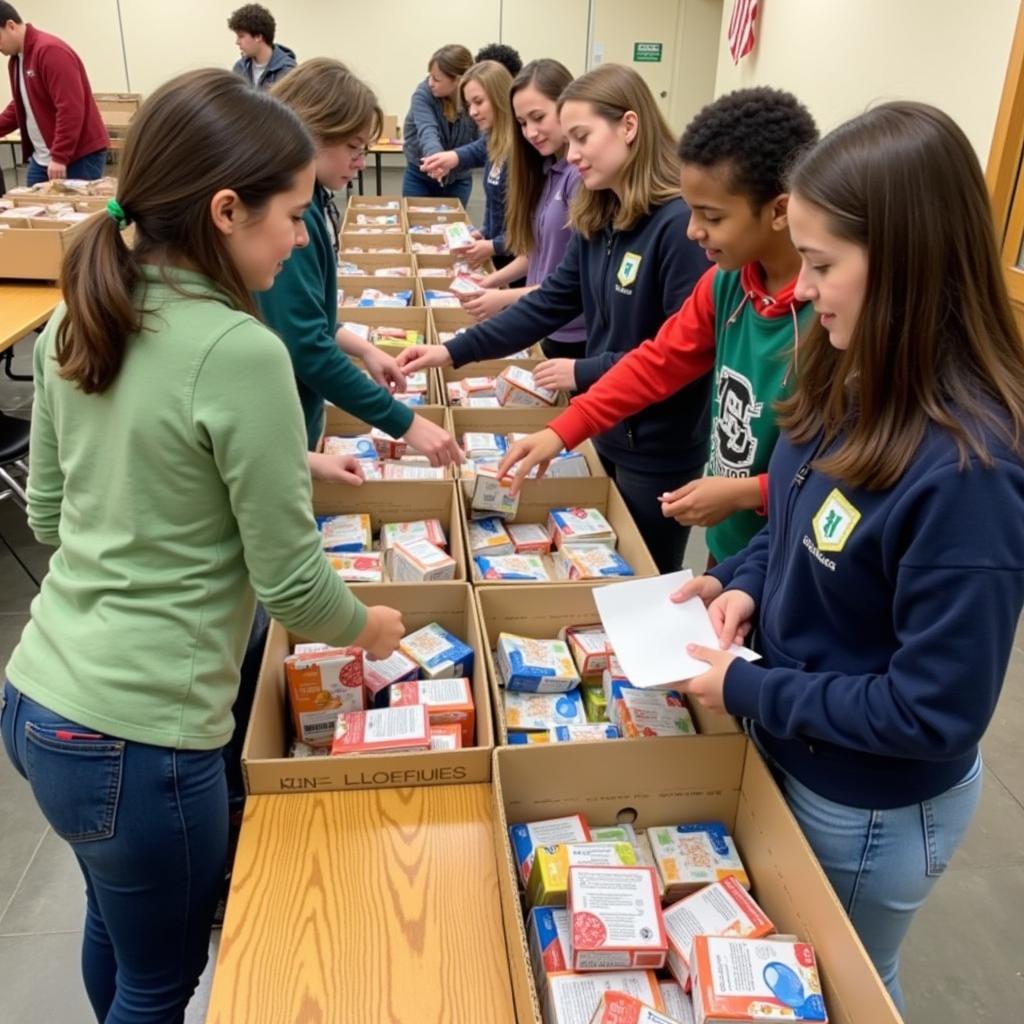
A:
378, 150
368, 906
24, 306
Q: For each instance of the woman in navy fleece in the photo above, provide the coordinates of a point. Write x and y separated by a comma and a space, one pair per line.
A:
887, 585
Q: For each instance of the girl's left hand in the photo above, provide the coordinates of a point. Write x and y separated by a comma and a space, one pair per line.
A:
485, 304
708, 689
556, 374
479, 252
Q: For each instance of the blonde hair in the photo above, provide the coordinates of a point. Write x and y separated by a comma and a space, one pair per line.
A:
650, 175
332, 102
496, 83
453, 60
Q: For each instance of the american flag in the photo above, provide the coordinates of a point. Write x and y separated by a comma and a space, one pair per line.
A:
741, 28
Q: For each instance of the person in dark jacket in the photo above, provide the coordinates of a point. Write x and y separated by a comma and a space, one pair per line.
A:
62, 133
263, 62
887, 586
628, 267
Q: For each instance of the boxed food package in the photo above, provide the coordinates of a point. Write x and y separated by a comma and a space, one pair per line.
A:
515, 387
381, 730
574, 527
549, 875
566, 734
513, 568
571, 998
386, 446
457, 236
480, 445
448, 702
492, 494
589, 646
526, 838
361, 447
535, 666
438, 654
445, 737
421, 529
529, 539
489, 537
542, 711
613, 682
590, 563
753, 980
404, 471
678, 1004
548, 936
359, 566
380, 676
620, 1008
346, 532
722, 908
641, 713
595, 704
692, 856
420, 561
320, 684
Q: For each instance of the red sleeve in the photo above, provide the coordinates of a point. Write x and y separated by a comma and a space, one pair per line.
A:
8, 119
64, 84
682, 351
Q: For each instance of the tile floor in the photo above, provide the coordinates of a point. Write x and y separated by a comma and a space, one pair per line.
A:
964, 961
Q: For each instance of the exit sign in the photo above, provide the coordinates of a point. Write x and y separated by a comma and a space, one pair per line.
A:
647, 53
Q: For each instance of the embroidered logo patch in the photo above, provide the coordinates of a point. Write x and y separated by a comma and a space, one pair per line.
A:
629, 268
834, 522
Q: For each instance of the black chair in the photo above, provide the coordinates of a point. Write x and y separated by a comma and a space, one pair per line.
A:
14, 435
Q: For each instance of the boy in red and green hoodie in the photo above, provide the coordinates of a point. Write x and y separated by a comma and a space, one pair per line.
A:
741, 319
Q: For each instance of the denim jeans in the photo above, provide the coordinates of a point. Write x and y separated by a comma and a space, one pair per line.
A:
85, 168
419, 185
883, 864
148, 826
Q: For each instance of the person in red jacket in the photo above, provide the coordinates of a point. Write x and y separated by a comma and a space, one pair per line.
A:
62, 133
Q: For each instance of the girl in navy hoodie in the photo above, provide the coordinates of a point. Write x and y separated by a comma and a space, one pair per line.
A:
628, 267
887, 585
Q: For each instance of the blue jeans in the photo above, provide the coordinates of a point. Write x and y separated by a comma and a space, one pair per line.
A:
419, 185
148, 826
883, 864
85, 168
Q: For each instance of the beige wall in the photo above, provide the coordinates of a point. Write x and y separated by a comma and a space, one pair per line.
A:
840, 56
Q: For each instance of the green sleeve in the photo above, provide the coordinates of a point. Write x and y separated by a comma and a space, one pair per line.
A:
296, 308
245, 411
45, 477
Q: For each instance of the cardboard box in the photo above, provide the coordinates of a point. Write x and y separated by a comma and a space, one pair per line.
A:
549, 876
432, 203
437, 217
517, 388
571, 998
386, 202
444, 261
353, 286
338, 423
420, 561
322, 684
448, 702
33, 249
381, 730
538, 497
527, 836
662, 780
398, 502
370, 262
354, 242
412, 319
265, 763
358, 217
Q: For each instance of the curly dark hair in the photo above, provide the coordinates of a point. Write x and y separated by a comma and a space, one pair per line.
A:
256, 20
503, 55
758, 133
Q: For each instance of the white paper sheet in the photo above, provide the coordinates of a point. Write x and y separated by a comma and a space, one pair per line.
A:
649, 633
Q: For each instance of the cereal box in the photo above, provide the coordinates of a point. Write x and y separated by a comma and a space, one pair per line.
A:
359, 566
457, 236
478, 445
620, 1008
640, 713
478, 387
692, 856
492, 494
594, 704
448, 702
361, 447
380, 676
516, 387
571, 527
346, 532
465, 285
568, 464
445, 737
615, 918
404, 471
421, 529
549, 875
590, 563
550, 832
543, 711
589, 647
530, 568
570, 998
387, 447
387, 730
722, 908
529, 539
677, 1003
489, 537
320, 684
438, 654
420, 561
755, 980
582, 733
548, 935
535, 666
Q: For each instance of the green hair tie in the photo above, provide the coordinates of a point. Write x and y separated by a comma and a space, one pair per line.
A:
116, 212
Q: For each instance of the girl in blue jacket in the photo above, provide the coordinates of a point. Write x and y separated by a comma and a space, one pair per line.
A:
887, 585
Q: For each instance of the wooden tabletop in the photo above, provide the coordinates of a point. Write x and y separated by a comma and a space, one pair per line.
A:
23, 307
386, 147
376, 905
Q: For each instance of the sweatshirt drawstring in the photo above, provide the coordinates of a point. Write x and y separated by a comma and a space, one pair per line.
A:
795, 365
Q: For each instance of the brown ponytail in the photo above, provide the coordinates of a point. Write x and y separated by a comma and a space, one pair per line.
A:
199, 133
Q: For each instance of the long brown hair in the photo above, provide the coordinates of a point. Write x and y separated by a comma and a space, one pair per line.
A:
496, 82
198, 133
935, 341
650, 175
332, 102
526, 166
453, 60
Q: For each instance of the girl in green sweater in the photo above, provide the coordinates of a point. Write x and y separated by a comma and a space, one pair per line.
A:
169, 473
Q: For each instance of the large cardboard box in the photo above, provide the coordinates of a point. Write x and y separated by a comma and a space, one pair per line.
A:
353, 286
381, 203
351, 222
356, 242
399, 501
443, 261
540, 611
451, 320
417, 219
34, 249
538, 497
492, 368
667, 781
370, 262
265, 763
408, 318
341, 424
81, 204
425, 204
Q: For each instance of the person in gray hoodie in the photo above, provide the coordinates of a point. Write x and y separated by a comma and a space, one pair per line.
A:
263, 62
